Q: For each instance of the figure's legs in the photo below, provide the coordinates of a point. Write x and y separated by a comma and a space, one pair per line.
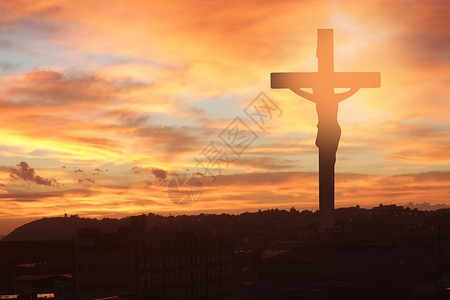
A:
327, 141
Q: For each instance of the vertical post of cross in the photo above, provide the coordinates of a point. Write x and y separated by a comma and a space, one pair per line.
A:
325, 51
327, 149
327, 159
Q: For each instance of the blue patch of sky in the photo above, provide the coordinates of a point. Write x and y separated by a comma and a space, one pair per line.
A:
39, 159
221, 107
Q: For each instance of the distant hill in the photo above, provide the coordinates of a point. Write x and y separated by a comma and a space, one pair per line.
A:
59, 228
1, 236
379, 223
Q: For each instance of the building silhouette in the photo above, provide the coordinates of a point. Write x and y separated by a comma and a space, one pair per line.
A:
159, 265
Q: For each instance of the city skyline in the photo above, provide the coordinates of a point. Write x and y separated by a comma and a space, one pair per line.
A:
103, 103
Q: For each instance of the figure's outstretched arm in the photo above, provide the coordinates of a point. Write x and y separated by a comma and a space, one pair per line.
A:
342, 96
304, 94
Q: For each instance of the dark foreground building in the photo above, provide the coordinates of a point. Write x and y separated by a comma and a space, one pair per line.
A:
158, 265
389, 270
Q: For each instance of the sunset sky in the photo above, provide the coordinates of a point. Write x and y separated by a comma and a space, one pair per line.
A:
104, 102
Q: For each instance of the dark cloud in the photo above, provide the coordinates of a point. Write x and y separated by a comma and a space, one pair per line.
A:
86, 180
136, 170
19, 196
86, 175
26, 173
159, 174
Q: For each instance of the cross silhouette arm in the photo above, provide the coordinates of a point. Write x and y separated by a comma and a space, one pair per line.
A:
304, 94
342, 96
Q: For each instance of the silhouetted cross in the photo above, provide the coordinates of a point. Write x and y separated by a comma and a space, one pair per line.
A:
323, 84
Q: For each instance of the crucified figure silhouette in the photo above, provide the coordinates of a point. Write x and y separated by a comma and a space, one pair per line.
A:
323, 84
328, 129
